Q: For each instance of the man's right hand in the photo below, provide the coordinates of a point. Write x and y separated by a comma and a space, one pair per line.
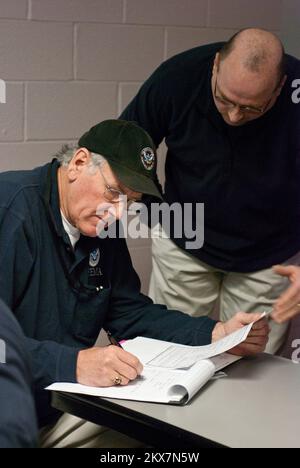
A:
99, 367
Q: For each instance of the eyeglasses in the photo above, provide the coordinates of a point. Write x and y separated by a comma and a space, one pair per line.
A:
114, 195
244, 109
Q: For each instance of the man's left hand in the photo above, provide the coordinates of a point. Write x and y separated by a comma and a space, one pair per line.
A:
287, 305
257, 338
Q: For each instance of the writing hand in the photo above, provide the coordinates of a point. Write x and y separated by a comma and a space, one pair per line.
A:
100, 367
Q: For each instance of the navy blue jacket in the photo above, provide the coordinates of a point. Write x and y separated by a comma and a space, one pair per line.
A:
18, 427
247, 177
52, 290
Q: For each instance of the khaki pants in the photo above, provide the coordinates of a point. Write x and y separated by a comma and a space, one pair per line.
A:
73, 432
182, 282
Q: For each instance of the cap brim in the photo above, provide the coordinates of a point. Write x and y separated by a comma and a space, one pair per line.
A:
134, 181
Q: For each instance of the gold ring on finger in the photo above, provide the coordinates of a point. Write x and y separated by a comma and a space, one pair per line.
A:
118, 380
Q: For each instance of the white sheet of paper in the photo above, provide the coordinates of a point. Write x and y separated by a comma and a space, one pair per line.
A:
163, 378
155, 384
173, 357
224, 360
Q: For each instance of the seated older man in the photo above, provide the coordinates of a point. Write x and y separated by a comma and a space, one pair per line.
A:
64, 282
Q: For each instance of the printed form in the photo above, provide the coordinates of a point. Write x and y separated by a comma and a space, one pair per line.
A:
174, 356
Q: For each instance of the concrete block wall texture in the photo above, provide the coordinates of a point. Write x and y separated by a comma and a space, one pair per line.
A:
68, 64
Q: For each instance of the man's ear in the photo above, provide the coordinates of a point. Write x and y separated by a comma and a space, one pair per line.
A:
80, 160
216, 63
281, 85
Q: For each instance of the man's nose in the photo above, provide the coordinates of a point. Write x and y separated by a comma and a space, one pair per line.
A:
235, 115
119, 209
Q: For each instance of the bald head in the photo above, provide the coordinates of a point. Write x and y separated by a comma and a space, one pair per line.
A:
248, 76
256, 51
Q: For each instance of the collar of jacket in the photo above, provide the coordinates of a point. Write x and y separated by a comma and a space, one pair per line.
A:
50, 194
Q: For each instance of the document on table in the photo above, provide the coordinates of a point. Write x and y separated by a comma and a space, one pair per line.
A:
172, 373
168, 355
156, 384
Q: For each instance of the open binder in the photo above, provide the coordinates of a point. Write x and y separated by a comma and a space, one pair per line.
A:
172, 373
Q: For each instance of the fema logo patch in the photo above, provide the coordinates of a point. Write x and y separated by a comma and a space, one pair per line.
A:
94, 258
148, 158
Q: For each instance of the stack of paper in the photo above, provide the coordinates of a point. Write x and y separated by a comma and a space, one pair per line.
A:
172, 373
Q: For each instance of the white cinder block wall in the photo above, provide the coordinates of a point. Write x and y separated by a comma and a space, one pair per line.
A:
68, 64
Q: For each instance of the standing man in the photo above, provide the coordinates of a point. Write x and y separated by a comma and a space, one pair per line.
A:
230, 119
64, 283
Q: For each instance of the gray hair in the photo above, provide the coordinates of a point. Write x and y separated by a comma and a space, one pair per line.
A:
67, 151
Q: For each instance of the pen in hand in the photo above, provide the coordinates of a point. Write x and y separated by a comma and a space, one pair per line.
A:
137, 367
113, 341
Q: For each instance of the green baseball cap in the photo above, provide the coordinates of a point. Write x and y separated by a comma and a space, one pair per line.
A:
130, 152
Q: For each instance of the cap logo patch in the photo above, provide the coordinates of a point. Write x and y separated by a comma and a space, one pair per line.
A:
94, 258
148, 158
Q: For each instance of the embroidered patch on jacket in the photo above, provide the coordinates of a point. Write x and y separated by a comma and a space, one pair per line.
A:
94, 258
